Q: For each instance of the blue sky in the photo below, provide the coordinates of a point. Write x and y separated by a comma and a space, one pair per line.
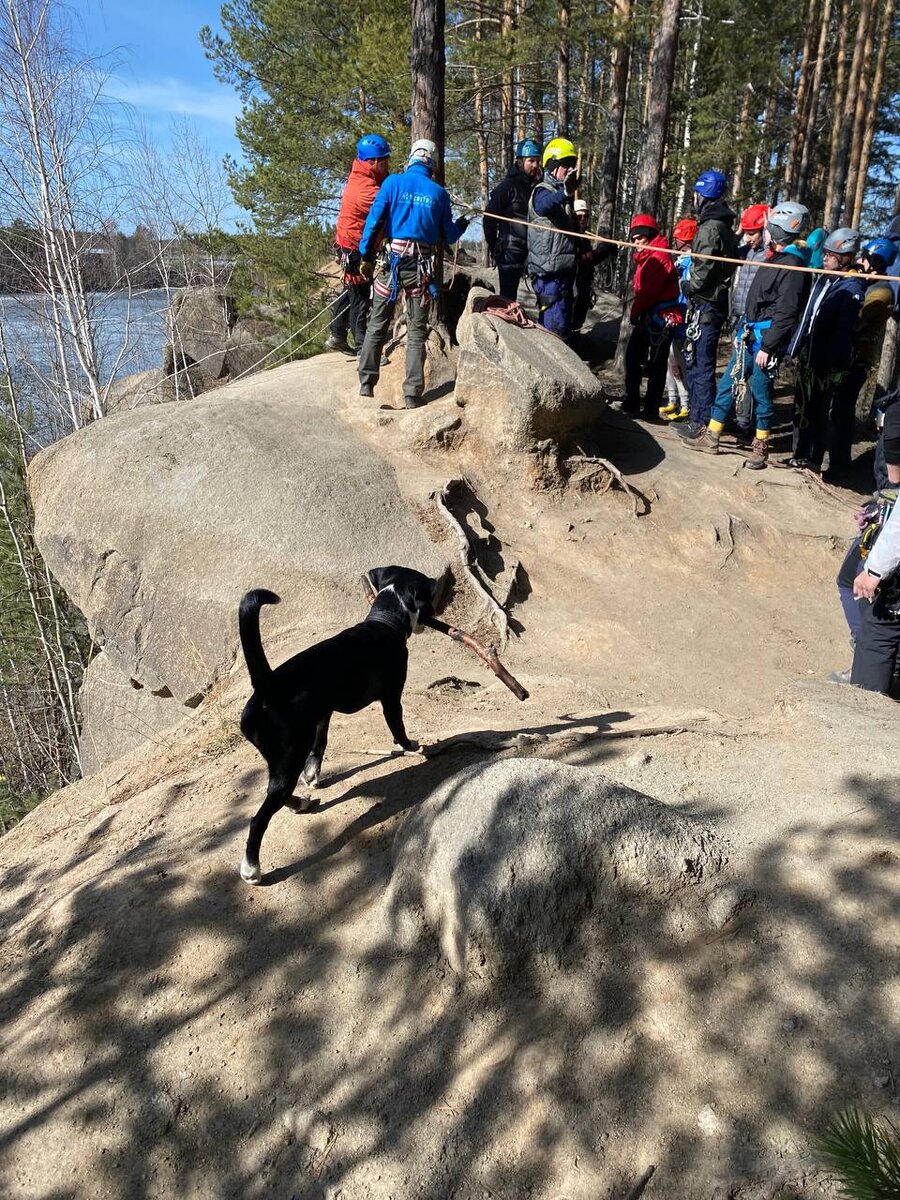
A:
161, 68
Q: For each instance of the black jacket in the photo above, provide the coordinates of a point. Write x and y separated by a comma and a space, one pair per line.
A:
508, 244
778, 296
715, 235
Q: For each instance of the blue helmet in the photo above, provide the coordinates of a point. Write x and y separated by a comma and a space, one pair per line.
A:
372, 145
880, 252
528, 149
711, 185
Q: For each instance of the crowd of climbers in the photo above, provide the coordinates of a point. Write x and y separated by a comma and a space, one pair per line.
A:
829, 327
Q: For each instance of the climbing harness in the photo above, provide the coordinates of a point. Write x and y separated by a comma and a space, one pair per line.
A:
393, 257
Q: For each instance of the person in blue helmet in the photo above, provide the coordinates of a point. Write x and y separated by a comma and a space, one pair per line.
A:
508, 243
412, 215
706, 289
351, 309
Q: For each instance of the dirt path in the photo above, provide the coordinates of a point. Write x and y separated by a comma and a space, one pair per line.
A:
168, 1031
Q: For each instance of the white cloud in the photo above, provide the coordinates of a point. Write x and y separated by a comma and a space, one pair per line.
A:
169, 95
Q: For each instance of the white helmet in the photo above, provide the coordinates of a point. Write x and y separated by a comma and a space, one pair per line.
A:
581, 206
423, 151
787, 221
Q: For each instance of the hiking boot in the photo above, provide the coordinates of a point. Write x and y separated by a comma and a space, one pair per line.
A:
680, 414
412, 402
840, 676
667, 412
367, 391
339, 343
759, 454
707, 442
690, 429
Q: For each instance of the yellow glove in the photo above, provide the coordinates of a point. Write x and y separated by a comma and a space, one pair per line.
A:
367, 269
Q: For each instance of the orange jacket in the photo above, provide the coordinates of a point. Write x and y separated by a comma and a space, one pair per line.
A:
360, 190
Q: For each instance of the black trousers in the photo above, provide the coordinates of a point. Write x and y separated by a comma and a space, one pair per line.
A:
646, 352
510, 278
351, 312
877, 647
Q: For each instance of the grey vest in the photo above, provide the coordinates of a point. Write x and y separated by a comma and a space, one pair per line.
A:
550, 250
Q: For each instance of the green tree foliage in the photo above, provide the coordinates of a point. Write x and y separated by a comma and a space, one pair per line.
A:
43, 644
312, 79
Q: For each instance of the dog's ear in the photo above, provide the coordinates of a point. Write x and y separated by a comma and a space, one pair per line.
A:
377, 578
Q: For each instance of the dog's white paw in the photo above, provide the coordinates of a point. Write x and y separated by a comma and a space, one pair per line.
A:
302, 804
311, 777
250, 872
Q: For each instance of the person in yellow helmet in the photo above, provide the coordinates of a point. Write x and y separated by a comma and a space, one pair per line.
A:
552, 251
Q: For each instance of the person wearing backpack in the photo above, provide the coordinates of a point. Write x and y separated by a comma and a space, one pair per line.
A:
706, 289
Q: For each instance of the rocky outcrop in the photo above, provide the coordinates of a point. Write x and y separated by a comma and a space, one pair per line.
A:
157, 521
199, 324
207, 339
520, 387
524, 866
118, 714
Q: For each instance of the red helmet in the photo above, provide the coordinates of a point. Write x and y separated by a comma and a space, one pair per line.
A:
685, 230
753, 219
643, 222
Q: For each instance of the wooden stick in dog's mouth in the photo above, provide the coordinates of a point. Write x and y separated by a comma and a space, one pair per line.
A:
488, 655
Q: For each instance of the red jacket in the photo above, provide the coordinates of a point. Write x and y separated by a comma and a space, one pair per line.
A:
655, 278
360, 191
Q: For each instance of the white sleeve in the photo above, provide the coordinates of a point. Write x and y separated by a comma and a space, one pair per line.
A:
885, 556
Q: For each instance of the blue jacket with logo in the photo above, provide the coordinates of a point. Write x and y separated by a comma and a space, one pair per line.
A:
410, 206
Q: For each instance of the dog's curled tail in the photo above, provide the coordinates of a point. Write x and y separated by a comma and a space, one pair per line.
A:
251, 642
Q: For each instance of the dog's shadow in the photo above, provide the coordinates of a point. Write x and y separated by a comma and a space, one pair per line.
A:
401, 790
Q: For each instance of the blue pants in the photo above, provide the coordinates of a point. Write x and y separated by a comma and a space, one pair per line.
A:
850, 568
555, 297
760, 388
701, 365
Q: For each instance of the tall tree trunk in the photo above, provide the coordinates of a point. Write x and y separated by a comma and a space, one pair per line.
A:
801, 103
857, 120
689, 115
427, 68
763, 154
868, 135
562, 67
518, 88
808, 139
740, 166
481, 133
507, 90
839, 103
618, 94
662, 76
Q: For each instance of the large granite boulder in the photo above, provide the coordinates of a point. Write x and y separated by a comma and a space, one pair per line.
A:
157, 521
118, 714
529, 867
199, 324
520, 387
252, 343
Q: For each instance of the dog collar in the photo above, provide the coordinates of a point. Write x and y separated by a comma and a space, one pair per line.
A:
400, 624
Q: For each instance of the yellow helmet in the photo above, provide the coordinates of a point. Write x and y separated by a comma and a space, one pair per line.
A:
557, 151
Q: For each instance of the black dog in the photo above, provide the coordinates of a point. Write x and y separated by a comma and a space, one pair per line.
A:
287, 716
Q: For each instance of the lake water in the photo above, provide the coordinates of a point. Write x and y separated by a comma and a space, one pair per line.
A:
130, 332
